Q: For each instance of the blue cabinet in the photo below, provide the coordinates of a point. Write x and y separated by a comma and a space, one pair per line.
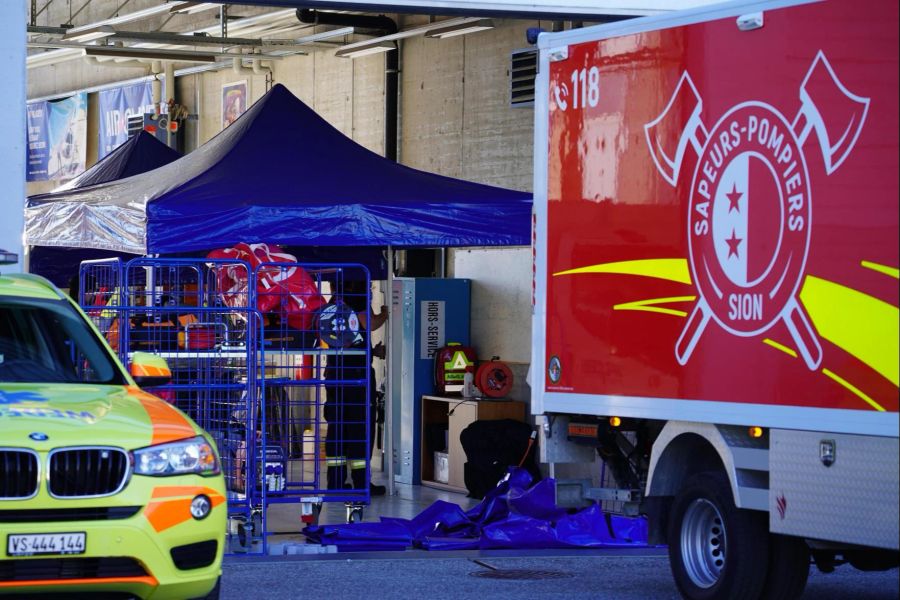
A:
426, 314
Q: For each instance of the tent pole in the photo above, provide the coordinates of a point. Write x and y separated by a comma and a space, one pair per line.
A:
389, 387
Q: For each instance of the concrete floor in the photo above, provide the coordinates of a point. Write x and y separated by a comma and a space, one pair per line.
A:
593, 574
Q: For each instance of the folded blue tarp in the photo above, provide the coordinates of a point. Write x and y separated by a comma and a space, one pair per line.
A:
514, 514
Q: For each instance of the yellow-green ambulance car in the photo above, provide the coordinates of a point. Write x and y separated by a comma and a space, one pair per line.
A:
103, 487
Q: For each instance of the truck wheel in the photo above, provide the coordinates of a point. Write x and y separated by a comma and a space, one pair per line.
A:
788, 568
716, 550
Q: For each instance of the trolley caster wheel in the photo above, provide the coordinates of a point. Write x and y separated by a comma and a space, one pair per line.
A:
354, 513
246, 531
243, 537
256, 524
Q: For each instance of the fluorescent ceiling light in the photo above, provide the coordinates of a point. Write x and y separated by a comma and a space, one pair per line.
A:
325, 35
148, 54
127, 18
460, 29
189, 8
406, 33
251, 25
366, 49
89, 35
53, 57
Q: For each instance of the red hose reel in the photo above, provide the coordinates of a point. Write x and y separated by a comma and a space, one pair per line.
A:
494, 378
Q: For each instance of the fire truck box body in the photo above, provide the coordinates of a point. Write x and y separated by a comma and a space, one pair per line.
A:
716, 248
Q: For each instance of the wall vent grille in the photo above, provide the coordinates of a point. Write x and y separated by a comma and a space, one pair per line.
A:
523, 70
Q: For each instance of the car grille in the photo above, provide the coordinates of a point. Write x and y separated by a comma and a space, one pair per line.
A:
87, 472
69, 568
18, 474
52, 515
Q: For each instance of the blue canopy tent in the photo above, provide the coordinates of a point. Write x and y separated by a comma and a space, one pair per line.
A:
51, 257
140, 153
282, 174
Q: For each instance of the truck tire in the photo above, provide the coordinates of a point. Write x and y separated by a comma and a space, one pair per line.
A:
716, 551
788, 568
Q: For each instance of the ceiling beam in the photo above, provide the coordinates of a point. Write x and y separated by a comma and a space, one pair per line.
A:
43, 30
590, 10
164, 37
141, 53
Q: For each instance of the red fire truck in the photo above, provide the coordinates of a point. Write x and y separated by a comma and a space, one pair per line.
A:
716, 282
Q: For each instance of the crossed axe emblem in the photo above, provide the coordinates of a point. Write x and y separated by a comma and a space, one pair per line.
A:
748, 308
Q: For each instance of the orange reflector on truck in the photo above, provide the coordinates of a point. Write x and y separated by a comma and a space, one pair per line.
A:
583, 430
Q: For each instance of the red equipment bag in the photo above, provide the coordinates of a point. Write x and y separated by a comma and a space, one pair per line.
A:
290, 292
451, 363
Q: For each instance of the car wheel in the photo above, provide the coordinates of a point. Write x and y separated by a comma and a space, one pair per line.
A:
716, 551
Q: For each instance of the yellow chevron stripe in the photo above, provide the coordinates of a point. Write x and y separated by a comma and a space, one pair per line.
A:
673, 269
648, 305
783, 348
886, 270
853, 388
864, 326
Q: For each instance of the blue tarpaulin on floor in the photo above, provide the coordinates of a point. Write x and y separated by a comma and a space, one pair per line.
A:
515, 514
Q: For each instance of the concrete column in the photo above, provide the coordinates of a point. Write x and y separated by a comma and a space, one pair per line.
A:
12, 129
170, 95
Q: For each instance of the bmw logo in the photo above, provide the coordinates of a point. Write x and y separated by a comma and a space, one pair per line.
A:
38, 436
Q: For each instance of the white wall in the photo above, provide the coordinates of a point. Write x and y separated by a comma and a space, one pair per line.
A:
456, 120
501, 300
12, 128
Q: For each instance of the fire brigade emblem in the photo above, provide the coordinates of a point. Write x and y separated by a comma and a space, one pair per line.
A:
750, 210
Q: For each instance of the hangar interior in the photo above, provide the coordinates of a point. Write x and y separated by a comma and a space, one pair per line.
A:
450, 94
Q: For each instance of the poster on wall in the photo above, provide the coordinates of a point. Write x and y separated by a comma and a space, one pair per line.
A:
234, 101
37, 118
116, 105
57, 138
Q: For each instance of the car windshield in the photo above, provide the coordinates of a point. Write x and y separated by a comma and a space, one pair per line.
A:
47, 341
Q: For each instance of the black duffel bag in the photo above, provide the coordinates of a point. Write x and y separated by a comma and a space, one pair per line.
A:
491, 448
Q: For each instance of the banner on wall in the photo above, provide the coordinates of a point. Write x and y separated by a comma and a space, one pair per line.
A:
116, 105
57, 138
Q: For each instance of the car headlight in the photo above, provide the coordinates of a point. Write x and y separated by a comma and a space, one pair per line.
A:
177, 458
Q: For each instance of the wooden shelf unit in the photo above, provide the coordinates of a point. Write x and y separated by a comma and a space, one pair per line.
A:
436, 410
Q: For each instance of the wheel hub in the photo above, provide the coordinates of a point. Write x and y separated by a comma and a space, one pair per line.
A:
703, 543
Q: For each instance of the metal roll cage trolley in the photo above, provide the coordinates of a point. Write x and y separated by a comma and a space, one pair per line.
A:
250, 364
